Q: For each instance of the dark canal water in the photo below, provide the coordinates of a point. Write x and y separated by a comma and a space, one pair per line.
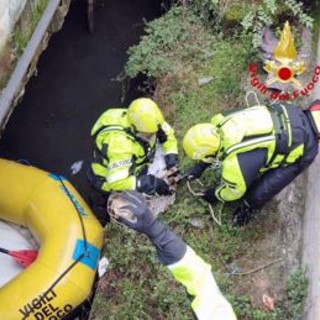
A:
50, 128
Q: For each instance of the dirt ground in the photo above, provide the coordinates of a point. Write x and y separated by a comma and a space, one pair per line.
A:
278, 250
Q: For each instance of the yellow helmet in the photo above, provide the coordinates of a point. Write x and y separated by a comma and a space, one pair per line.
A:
144, 115
201, 141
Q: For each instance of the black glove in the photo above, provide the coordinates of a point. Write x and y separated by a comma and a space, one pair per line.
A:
138, 216
210, 196
150, 184
171, 160
196, 171
242, 214
96, 181
170, 248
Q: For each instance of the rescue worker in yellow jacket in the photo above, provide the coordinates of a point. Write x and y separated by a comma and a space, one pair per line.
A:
186, 266
125, 141
259, 150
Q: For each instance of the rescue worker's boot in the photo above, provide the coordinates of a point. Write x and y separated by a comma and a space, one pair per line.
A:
242, 215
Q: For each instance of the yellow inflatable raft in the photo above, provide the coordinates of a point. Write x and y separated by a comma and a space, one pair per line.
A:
70, 240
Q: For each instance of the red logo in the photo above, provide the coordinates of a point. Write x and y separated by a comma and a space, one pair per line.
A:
284, 68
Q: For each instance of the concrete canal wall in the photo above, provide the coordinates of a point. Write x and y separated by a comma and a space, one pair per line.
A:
16, 68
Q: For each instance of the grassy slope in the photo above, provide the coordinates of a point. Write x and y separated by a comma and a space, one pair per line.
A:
137, 287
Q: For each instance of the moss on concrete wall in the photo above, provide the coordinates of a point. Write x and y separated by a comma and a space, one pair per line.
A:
20, 37
22, 33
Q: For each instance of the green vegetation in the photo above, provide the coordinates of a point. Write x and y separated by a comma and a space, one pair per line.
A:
197, 62
297, 292
169, 43
21, 35
274, 13
292, 305
24, 29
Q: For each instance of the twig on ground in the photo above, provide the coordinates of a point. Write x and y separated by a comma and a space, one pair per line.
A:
257, 269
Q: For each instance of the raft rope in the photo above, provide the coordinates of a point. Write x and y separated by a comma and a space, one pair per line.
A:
84, 238
82, 255
64, 273
67, 192
24, 162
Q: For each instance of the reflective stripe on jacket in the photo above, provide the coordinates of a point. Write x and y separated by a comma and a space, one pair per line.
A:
119, 154
259, 127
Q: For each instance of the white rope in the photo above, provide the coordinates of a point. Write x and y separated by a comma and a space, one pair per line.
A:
255, 95
194, 193
200, 194
217, 221
216, 165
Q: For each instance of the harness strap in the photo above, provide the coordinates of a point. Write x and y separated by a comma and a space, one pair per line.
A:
114, 128
102, 154
283, 134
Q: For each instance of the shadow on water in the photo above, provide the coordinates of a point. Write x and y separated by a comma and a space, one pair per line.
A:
75, 83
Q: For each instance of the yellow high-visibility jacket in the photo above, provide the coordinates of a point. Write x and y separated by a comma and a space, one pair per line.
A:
250, 129
120, 155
